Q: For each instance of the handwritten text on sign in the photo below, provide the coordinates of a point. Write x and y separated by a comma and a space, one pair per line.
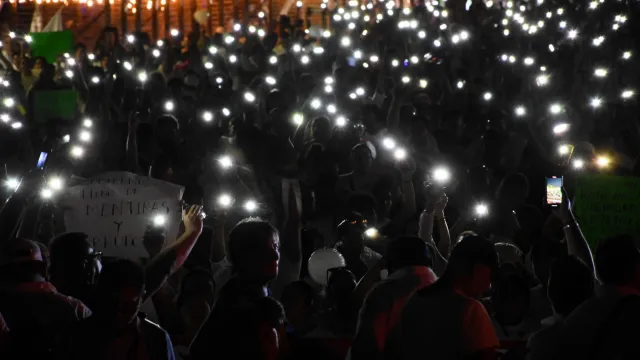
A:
607, 205
115, 208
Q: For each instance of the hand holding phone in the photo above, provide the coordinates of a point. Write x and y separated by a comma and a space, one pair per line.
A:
42, 160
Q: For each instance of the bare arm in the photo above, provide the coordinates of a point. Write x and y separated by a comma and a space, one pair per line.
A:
425, 231
132, 146
161, 267
576, 243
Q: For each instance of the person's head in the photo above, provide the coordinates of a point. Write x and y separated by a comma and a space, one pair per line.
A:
364, 204
39, 64
48, 73
407, 251
350, 233
383, 192
167, 127
361, 159
21, 261
471, 265
510, 294
25, 65
253, 249
571, 282
297, 300
513, 191
74, 262
120, 292
617, 262
321, 130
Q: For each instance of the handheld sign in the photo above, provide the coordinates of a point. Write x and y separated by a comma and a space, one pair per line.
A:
115, 208
607, 205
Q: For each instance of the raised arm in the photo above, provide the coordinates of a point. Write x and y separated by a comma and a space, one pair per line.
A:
576, 243
161, 267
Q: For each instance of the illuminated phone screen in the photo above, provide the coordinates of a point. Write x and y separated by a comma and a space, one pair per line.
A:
554, 191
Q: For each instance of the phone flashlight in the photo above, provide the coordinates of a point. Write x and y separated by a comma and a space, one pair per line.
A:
341, 121
388, 143
207, 116
95, 79
481, 210
169, 105
249, 97
131, 39
270, 80
55, 183
400, 154
77, 152
298, 119
250, 206
159, 220
225, 162
441, 175
603, 161
142, 76
225, 200
561, 128
155, 53
46, 193
175, 32
12, 184
316, 103
578, 164
372, 233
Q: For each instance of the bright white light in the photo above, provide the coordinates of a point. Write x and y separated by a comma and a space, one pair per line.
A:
552, 48
226, 112
345, 41
626, 55
400, 154
423, 83
208, 65
341, 121
555, 109
249, 97
578, 164
406, 79
233, 59
46, 193
595, 102
563, 149
169, 105
512, 59
87, 123
487, 96
464, 35
371, 233
437, 43
155, 53
422, 34
528, 61
506, 32
142, 76
441, 175
69, 74
225, 200
159, 220
460, 84
12, 184
304, 60
56, 183
175, 32
328, 89
520, 111
207, 116
296, 48
331, 109
77, 151
16, 125
481, 210
95, 79
270, 80
598, 41
600, 72
298, 119
542, 80
225, 162
560, 128
316, 103
572, 34
131, 39
85, 136
388, 143
273, 60
127, 65
360, 91
213, 50
627, 94
250, 206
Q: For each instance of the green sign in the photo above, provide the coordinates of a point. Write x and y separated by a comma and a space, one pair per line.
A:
51, 44
54, 105
607, 205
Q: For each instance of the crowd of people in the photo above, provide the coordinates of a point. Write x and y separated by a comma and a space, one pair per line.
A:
395, 163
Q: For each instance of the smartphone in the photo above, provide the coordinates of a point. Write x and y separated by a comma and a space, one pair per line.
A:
554, 191
42, 160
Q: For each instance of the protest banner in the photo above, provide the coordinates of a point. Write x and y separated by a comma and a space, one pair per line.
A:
607, 205
54, 105
115, 208
51, 44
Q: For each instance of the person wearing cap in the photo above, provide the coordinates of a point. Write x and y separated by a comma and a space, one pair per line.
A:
350, 244
26, 297
408, 263
445, 320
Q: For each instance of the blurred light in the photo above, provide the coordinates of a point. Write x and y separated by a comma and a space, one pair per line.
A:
175, 32
487, 96
233, 59
341, 121
213, 50
528, 61
316, 103
602, 161
12, 184
248, 96
481, 210
572, 34
542, 80
400, 154
520, 111
16, 125
595, 102
626, 55
226, 112
95, 79
84, 136
250, 206
169, 105
87, 123
69, 74
159, 220
46, 193
207, 116
225, 200
225, 162
56, 183
560, 128
131, 39
600, 72
555, 109
142, 76
460, 84
388, 143
371, 233
208, 65
77, 151
155, 53
270, 80
298, 119
441, 175
627, 94
578, 164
